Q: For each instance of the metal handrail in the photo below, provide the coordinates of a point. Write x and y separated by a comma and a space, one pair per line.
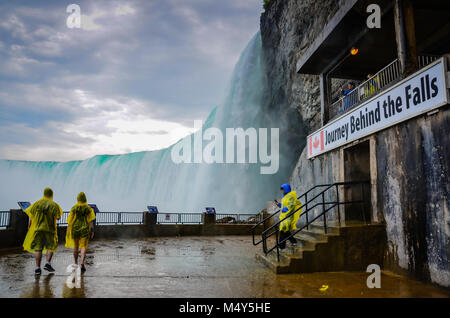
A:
5, 219
333, 204
305, 194
374, 85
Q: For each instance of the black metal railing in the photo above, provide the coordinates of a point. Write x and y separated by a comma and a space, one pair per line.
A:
107, 218
380, 81
302, 198
110, 218
235, 218
4, 219
320, 200
179, 218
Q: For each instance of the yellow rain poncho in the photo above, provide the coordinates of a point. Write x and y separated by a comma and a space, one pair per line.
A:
289, 203
42, 234
80, 217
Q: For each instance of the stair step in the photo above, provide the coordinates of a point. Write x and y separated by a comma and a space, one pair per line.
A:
270, 261
311, 237
332, 227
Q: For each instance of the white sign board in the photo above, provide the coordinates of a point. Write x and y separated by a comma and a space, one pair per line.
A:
415, 95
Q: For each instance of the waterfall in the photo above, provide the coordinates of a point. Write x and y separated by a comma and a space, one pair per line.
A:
130, 182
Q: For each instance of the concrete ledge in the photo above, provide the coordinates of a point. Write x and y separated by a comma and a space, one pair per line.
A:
14, 237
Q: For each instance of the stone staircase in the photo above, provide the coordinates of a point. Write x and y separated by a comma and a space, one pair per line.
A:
350, 247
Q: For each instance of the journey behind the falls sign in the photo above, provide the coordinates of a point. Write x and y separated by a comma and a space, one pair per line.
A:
417, 94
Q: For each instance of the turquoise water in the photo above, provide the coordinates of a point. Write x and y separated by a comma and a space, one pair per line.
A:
132, 181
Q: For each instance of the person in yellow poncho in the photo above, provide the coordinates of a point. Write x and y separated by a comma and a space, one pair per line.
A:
80, 222
288, 204
42, 236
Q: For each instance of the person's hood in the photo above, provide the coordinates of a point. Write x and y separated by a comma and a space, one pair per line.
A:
81, 198
286, 187
48, 194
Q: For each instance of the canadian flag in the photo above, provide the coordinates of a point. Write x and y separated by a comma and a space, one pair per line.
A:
316, 143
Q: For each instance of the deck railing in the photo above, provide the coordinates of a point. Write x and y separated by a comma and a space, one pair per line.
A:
374, 85
115, 218
4, 219
179, 218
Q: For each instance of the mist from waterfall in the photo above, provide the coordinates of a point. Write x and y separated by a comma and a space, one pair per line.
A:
130, 182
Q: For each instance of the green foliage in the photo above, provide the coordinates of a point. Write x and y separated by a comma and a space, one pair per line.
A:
266, 3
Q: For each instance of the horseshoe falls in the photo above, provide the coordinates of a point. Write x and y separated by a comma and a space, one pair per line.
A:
130, 182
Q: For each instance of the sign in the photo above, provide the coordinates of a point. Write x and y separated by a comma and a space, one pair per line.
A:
167, 217
152, 209
24, 205
420, 93
210, 211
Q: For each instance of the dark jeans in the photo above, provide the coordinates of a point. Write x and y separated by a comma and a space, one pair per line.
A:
283, 235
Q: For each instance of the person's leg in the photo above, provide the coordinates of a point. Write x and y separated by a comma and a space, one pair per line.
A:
49, 256
282, 237
75, 250
293, 240
83, 256
38, 257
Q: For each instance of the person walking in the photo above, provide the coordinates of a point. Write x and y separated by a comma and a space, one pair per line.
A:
289, 215
42, 236
79, 230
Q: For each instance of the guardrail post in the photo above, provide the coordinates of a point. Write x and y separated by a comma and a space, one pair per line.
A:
18, 221
277, 242
338, 204
324, 215
363, 203
306, 210
119, 218
209, 218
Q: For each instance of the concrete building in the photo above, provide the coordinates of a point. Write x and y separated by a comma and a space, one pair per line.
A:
391, 131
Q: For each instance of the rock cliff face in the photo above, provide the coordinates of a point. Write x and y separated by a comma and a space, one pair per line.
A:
410, 162
288, 27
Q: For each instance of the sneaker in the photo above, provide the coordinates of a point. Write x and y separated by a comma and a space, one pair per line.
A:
49, 268
83, 269
37, 271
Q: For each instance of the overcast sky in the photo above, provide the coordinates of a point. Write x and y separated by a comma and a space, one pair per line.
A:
134, 77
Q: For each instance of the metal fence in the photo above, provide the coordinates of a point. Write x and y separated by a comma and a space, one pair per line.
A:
162, 218
110, 218
179, 218
384, 78
234, 218
4, 219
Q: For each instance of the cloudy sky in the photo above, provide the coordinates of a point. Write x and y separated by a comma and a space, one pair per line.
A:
134, 77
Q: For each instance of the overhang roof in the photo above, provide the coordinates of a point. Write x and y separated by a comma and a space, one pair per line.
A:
329, 53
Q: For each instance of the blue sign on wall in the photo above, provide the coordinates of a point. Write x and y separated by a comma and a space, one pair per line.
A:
24, 205
210, 211
152, 209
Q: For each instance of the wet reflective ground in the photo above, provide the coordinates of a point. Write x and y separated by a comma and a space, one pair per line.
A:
187, 267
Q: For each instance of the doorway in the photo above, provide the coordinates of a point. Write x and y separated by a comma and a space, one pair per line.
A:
357, 168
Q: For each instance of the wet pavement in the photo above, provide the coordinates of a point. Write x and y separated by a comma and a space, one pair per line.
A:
223, 266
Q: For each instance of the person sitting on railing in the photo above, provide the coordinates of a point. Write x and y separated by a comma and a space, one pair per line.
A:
288, 204
42, 236
79, 228
347, 100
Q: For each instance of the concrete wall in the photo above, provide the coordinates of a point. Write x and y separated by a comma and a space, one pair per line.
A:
410, 192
